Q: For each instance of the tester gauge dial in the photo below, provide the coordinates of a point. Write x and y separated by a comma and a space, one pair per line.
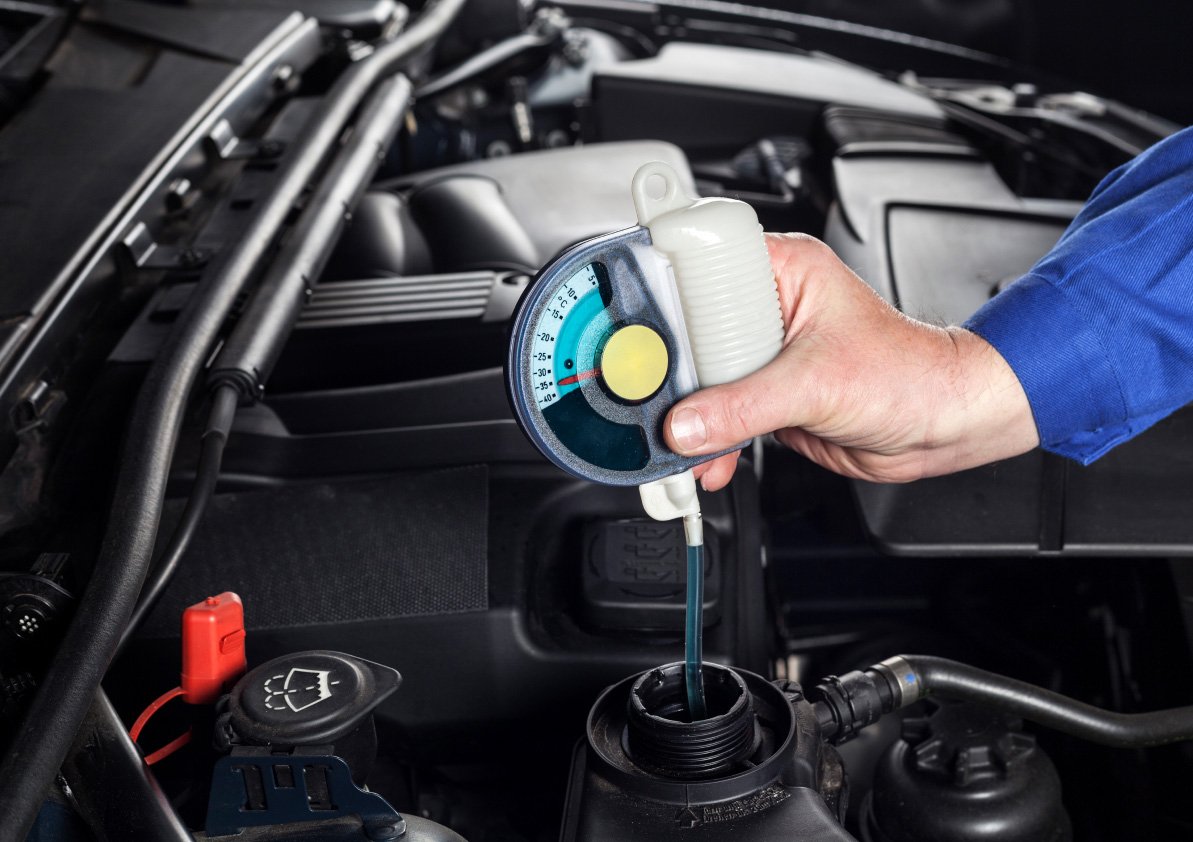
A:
615, 330
598, 356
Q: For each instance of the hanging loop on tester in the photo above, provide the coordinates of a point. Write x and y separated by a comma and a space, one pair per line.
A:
656, 190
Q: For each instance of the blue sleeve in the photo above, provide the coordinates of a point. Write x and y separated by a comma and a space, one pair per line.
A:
1100, 331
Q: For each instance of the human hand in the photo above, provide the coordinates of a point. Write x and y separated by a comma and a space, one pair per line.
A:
859, 388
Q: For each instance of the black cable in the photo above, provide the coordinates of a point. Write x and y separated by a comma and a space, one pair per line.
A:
255, 343
68, 687
848, 703
207, 472
1109, 728
248, 354
253, 346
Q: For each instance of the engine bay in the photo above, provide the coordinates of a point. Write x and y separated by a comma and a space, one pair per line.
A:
376, 505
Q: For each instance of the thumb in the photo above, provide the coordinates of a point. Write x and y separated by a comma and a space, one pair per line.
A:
720, 417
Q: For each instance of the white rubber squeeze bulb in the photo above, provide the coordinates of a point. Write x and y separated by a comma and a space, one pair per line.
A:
722, 272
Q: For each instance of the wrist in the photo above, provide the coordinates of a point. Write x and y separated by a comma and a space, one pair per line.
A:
986, 415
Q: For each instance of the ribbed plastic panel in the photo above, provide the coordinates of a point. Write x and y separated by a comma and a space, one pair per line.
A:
422, 298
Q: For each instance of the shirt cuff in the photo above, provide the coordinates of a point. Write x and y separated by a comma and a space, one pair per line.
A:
1073, 388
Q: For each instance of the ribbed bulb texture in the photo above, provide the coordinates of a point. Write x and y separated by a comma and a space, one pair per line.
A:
726, 287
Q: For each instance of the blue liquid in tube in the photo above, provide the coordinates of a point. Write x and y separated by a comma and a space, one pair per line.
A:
693, 635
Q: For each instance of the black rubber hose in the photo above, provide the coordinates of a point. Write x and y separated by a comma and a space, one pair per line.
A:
68, 688
488, 62
938, 676
112, 788
207, 473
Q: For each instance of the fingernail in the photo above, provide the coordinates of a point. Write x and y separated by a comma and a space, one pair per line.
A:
687, 428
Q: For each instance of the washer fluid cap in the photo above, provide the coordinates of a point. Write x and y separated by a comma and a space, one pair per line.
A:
308, 698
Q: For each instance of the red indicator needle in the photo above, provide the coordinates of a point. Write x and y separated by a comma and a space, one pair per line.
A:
576, 378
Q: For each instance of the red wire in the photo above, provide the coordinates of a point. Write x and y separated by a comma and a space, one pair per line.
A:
168, 749
154, 706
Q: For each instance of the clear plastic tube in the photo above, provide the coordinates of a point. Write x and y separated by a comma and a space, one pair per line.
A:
694, 634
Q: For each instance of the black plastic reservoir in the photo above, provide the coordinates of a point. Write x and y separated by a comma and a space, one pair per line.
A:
755, 769
962, 771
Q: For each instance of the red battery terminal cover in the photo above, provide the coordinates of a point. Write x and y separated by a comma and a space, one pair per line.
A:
212, 647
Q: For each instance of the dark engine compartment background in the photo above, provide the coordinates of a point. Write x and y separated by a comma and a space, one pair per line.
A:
381, 500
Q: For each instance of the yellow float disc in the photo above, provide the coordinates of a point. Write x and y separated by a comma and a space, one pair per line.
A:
634, 362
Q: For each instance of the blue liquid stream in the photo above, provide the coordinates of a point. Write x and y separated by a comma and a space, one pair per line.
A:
694, 634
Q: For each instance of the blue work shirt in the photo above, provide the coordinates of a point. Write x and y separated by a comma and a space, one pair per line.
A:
1100, 331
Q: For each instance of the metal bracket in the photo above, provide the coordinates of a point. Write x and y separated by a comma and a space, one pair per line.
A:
37, 408
223, 143
146, 253
258, 790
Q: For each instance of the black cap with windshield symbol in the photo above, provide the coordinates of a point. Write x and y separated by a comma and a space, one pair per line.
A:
298, 689
307, 698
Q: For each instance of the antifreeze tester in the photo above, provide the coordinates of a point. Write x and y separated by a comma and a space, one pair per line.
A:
615, 330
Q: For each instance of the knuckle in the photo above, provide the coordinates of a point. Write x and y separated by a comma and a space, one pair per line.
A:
738, 413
